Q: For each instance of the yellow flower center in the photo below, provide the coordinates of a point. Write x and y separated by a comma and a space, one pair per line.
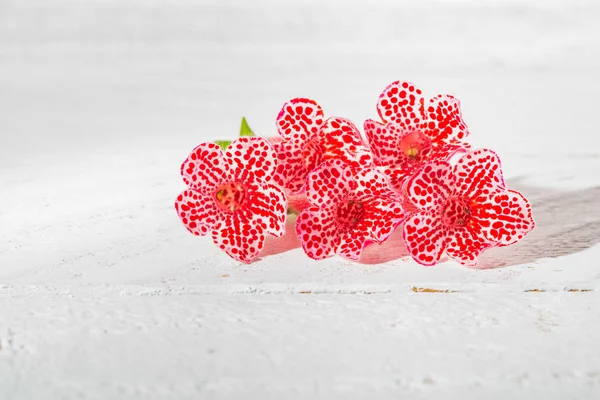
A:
415, 144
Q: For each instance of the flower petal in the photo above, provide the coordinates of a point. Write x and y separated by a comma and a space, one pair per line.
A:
448, 150
204, 168
351, 246
383, 210
478, 175
431, 186
342, 140
329, 183
466, 244
425, 238
384, 141
371, 185
400, 175
251, 159
198, 212
238, 237
505, 217
381, 218
444, 121
300, 119
402, 103
318, 232
267, 206
291, 171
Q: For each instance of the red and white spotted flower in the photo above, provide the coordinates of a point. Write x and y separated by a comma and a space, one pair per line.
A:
348, 209
308, 139
414, 131
463, 210
232, 197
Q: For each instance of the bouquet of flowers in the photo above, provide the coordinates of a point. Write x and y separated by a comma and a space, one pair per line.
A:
412, 170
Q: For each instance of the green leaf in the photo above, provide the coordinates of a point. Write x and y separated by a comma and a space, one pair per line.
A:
245, 129
223, 144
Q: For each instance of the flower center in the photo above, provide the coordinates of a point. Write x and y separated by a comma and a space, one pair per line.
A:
230, 196
349, 214
415, 145
457, 212
312, 154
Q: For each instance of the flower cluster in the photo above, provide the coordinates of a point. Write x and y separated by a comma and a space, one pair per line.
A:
351, 192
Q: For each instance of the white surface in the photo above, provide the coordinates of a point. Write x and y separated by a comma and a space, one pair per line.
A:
104, 295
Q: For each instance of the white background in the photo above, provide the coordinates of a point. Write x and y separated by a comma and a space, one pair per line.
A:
104, 294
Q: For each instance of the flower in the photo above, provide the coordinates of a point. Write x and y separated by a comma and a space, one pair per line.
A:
308, 139
231, 196
413, 132
463, 210
349, 208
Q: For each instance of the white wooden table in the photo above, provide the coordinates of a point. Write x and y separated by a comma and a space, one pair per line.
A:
104, 295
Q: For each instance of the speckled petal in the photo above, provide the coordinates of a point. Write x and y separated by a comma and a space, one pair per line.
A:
351, 246
198, 212
204, 168
465, 245
372, 184
400, 175
267, 203
300, 119
402, 103
342, 141
429, 188
425, 238
329, 183
318, 232
383, 210
251, 159
448, 150
478, 175
239, 237
384, 141
382, 217
444, 121
406, 168
505, 218
291, 171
